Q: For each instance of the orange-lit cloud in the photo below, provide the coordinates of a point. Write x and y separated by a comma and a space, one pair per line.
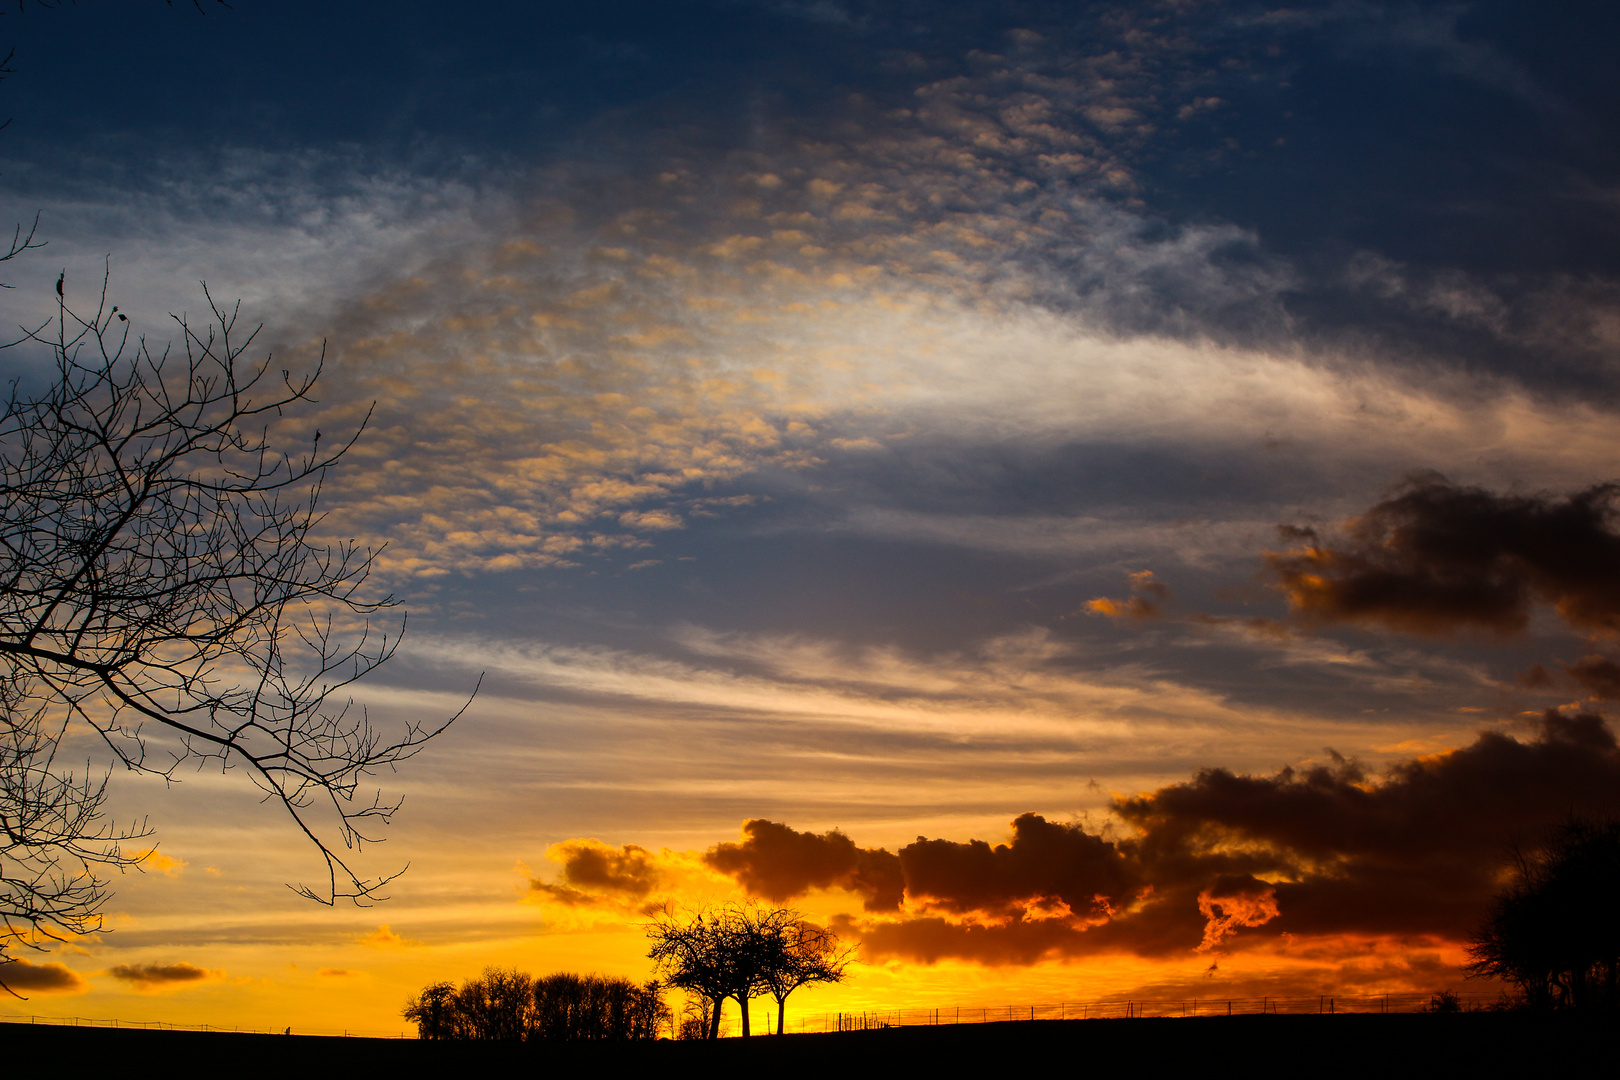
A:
385, 938
166, 865
1231, 903
1146, 601
624, 879
593, 870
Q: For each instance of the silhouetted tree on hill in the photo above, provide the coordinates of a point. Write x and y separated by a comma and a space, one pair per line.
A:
1555, 931
797, 953
708, 957
741, 951
434, 1012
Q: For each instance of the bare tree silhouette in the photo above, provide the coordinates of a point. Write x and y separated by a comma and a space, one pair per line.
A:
706, 956
161, 584
797, 953
743, 950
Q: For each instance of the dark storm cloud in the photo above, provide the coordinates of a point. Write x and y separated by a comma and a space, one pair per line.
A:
1437, 557
779, 863
1225, 860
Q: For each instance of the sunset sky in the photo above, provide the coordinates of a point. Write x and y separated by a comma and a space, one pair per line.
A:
1091, 498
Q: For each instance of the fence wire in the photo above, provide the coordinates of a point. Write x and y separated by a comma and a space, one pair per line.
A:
1131, 1008
166, 1025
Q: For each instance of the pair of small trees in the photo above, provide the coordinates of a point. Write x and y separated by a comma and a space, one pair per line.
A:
742, 951
1555, 931
509, 1006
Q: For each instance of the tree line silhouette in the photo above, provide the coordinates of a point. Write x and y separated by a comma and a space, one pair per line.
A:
737, 951
506, 1005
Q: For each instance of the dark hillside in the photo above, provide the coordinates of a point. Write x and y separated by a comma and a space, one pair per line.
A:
1395, 1045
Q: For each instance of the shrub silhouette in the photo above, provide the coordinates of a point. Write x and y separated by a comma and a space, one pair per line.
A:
1554, 932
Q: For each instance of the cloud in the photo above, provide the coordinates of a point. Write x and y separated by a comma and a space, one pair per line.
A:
1234, 902
930, 939
1025, 682
22, 977
629, 870
166, 865
1599, 676
562, 367
1046, 865
554, 387
151, 977
627, 878
779, 863
1414, 852
384, 938
1436, 557
1328, 853
1146, 601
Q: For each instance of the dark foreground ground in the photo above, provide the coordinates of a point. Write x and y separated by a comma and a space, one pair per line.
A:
1486, 1044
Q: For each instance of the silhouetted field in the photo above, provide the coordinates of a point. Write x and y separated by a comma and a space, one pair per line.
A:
1333, 1045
